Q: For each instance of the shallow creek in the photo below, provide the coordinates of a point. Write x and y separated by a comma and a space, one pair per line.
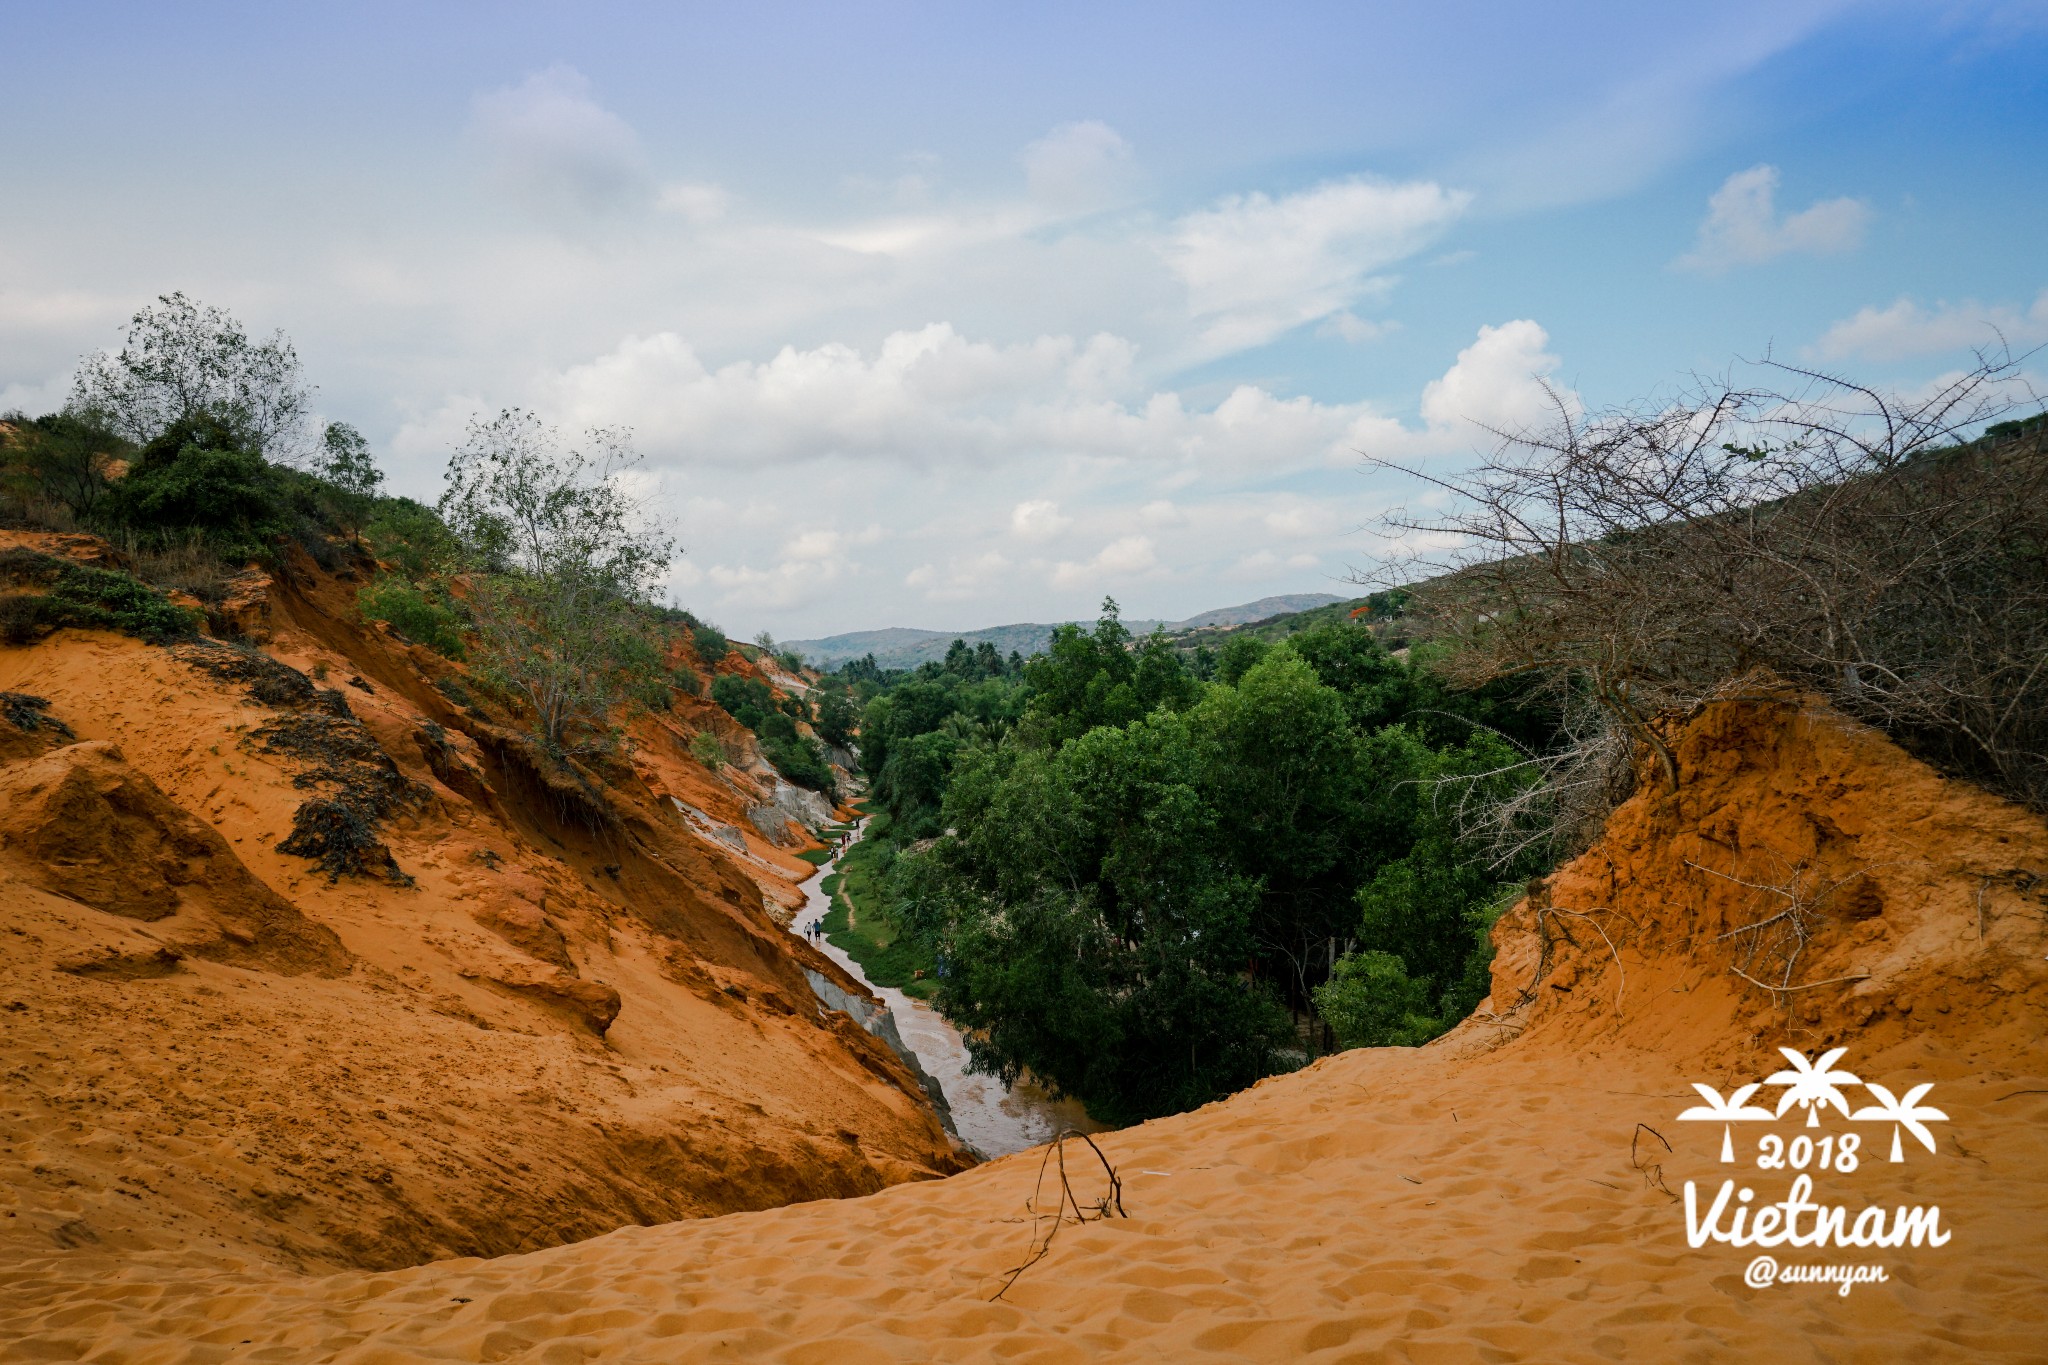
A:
990, 1117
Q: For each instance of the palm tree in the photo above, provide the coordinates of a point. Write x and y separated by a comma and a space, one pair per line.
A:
1812, 1084
1735, 1107
1907, 1113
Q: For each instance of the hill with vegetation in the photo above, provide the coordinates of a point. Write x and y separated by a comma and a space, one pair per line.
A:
904, 647
382, 886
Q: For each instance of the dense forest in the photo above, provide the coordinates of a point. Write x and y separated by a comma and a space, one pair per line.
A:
1150, 889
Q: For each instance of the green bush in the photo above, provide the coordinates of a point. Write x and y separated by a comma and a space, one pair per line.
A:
711, 644
750, 702
411, 538
62, 458
94, 599
413, 614
1371, 1001
705, 748
838, 718
799, 760
196, 480
746, 700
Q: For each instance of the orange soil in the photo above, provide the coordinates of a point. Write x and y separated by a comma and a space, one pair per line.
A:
1490, 1197
556, 1031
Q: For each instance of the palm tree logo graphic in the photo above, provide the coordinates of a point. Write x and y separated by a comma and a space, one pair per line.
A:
1813, 1085
1736, 1108
1907, 1113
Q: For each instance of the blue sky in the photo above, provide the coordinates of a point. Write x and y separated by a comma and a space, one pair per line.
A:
947, 315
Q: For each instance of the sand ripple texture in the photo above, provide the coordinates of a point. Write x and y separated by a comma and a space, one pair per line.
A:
1370, 1209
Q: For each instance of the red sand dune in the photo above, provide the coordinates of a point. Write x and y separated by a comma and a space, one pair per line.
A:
1510, 1192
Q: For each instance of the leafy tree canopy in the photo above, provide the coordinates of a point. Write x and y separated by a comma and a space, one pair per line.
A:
185, 361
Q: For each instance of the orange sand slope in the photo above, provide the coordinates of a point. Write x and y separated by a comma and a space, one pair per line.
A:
559, 1025
1490, 1197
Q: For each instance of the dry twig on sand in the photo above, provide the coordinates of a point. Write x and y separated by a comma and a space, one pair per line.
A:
1046, 1225
1549, 939
1653, 1175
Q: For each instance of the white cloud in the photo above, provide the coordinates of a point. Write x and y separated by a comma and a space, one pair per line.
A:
789, 582
1162, 512
35, 399
818, 546
1257, 267
1038, 520
1348, 326
556, 149
1301, 520
933, 397
964, 578
693, 203
1119, 561
1079, 167
1743, 227
1906, 329
1497, 382
992, 465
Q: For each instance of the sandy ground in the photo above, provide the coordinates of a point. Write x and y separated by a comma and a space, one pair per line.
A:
209, 1047
1379, 1206
1512, 1192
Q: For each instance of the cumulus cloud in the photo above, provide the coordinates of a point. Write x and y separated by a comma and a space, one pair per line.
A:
964, 578
1497, 382
1256, 267
935, 397
1905, 329
1005, 473
1079, 167
1038, 520
556, 149
1120, 561
1743, 226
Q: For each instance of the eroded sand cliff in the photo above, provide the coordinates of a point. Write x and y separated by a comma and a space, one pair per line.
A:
565, 1007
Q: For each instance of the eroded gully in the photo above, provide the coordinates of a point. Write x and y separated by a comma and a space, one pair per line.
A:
989, 1116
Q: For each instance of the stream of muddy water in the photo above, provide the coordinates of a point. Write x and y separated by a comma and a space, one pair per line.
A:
989, 1116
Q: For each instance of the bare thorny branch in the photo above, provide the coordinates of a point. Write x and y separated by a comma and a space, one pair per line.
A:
1831, 536
1045, 1225
1774, 942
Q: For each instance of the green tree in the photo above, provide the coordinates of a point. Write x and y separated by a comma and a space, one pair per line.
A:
837, 719
184, 361
565, 567
1092, 933
413, 539
1297, 802
710, 644
1239, 655
1090, 678
1371, 1001
346, 464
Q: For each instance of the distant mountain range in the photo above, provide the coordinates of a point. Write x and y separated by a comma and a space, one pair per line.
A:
906, 647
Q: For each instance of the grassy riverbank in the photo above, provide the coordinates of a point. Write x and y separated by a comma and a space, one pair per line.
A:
859, 924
